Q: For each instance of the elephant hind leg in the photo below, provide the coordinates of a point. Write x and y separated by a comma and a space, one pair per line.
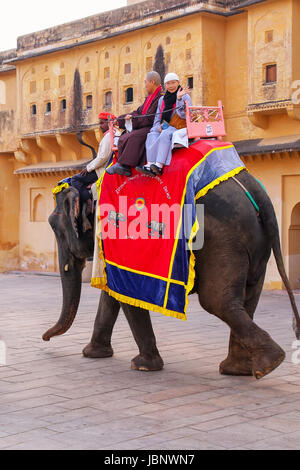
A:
239, 360
265, 354
255, 344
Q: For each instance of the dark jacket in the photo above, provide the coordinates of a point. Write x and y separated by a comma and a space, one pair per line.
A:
131, 147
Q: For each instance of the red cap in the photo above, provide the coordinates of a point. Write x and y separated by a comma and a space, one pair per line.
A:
106, 116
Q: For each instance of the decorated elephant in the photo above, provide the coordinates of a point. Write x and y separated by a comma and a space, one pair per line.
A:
156, 227
116, 218
230, 272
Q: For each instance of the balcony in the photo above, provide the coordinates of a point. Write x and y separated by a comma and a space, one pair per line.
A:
258, 113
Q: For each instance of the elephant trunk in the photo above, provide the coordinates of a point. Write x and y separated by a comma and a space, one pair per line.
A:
70, 272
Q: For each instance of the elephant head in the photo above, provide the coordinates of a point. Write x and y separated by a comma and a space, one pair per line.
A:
74, 235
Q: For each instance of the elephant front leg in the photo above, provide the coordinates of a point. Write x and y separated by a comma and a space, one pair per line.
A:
140, 324
238, 361
100, 344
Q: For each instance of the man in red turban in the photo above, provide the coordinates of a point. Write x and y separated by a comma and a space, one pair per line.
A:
131, 146
106, 116
95, 168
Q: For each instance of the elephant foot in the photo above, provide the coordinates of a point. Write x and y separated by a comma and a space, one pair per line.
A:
145, 364
95, 352
232, 366
265, 360
238, 361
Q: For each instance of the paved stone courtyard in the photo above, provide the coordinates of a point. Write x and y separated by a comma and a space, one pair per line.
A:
53, 398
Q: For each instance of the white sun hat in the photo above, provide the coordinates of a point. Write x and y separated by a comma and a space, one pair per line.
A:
171, 76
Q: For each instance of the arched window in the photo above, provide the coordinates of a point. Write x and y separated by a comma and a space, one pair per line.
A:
148, 45
188, 36
294, 248
129, 95
168, 40
39, 208
190, 82
127, 50
89, 102
108, 99
33, 110
295, 217
48, 108
106, 55
63, 104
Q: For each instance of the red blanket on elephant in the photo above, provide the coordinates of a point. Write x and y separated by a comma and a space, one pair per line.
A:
146, 227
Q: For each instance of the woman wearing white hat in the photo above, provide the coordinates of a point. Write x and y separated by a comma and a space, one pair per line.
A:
170, 116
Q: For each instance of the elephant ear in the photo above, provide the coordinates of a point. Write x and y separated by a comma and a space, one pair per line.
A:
72, 209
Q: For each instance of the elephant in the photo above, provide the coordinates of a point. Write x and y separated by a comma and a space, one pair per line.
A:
116, 218
157, 227
230, 271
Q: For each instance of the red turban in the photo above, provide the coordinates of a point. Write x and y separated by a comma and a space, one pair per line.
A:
106, 116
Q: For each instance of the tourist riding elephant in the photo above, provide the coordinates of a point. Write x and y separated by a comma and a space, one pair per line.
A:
230, 271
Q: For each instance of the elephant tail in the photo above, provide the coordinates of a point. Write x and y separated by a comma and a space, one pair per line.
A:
279, 261
269, 220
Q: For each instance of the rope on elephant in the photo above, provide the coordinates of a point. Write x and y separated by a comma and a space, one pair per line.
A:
249, 196
154, 114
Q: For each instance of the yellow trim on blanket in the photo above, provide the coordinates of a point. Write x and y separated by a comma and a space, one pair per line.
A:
219, 180
145, 274
192, 274
98, 282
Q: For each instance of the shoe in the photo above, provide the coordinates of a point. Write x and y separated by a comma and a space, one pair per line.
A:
119, 169
156, 170
145, 170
